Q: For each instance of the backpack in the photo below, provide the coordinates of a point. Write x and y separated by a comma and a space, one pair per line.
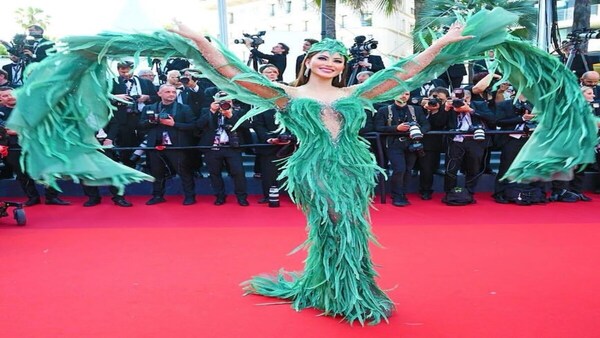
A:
524, 194
458, 196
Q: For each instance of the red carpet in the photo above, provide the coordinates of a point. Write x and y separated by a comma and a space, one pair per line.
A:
485, 270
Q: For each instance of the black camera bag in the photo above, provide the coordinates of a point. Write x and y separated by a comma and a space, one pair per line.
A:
458, 196
524, 194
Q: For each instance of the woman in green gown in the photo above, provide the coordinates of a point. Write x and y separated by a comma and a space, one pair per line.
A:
332, 175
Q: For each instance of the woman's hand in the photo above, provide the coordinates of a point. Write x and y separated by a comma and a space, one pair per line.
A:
454, 34
183, 30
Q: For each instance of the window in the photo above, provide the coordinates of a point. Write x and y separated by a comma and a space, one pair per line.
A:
306, 26
230, 17
305, 5
343, 21
288, 6
289, 27
272, 10
366, 19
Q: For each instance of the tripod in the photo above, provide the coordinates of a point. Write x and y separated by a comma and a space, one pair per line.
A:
574, 51
253, 61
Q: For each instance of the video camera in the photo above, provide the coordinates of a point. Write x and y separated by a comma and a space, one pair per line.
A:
18, 45
521, 108
254, 40
362, 44
584, 34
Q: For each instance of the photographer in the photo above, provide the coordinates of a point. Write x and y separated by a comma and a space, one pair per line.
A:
516, 116
12, 153
217, 124
465, 150
131, 94
278, 58
362, 60
433, 145
407, 123
169, 123
14, 71
37, 50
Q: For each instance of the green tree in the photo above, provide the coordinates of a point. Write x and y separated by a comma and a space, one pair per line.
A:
329, 10
434, 14
27, 16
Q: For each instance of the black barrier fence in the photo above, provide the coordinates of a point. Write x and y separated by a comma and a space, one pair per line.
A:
377, 137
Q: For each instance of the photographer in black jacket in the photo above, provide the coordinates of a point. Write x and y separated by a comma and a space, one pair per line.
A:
408, 123
464, 151
519, 117
169, 124
217, 124
278, 58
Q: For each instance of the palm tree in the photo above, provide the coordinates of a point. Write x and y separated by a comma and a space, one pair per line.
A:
32, 16
328, 11
432, 15
582, 10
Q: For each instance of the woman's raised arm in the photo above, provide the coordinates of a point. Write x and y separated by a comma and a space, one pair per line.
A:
223, 65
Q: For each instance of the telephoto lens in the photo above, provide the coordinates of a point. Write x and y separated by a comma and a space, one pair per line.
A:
479, 134
273, 197
414, 132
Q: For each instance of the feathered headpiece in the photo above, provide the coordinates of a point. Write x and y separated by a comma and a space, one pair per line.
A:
330, 45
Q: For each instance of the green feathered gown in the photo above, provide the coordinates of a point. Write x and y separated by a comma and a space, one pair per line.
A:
331, 176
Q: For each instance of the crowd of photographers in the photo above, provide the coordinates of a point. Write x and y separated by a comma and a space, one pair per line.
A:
185, 124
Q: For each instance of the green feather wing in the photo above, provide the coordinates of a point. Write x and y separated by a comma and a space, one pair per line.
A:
66, 99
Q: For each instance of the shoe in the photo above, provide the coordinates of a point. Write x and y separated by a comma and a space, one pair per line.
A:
263, 200
156, 200
257, 175
189, 200
56, 201
32, 201
220, 200
91, 202
426, 196
500, 199
243, 202
584, 198
400, 201
564, 196
122, 202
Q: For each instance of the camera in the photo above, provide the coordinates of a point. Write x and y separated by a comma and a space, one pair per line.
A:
459, 98
361, 44
434, 101
224, 105
132, 107
254, 40
184, 80
414, 132
137, 155
18, 45
163, 115
521, 108
286, 138
417, 147
478, 133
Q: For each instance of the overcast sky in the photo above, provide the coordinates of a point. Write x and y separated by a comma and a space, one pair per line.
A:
70, 17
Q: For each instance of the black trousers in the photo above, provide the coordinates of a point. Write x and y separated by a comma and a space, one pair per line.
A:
179, 161
25, 181
467, 155
428, 165
270, 171
509, 152
128, 136
214, 161
93, 192
402, 161
575, 185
